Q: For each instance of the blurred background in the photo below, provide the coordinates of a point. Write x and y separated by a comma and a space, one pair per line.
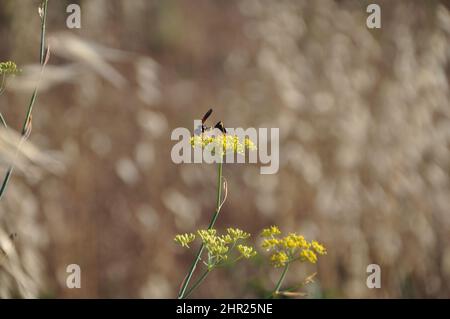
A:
364, 120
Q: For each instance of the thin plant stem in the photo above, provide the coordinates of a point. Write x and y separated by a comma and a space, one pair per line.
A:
307, 281
2, 119
43, 29
197, 283
42, 57
3, 84
26, 122
2, 89
280, 281
5, 181
182, 293
222, 265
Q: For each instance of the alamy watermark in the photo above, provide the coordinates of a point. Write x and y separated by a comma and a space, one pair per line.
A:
73, 20
374, 19
73, 280
374, 279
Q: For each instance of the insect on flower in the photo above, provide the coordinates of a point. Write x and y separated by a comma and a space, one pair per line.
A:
203, 128
220, 126
204, 118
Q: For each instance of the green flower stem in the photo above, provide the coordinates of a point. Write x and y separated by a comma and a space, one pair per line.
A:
2, 119
41, 62
2, 89
33, 97
3, 85
280, 281
198, 282
43, 29
182, 293
5, 181
225, 264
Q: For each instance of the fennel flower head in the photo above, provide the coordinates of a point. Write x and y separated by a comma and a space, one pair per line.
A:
8, 68
223, 143
219, 247
290, 248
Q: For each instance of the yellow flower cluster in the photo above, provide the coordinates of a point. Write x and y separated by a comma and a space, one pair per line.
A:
290, 248
8, 68
271, 231
309, 255
219, 247
246, 251
279, 259
185, 239
223, 142
319, 248
237, 234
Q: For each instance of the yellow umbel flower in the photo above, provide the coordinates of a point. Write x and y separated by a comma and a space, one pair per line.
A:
295, 241
222, 143
248, 144
279, 259
216, 246
290, 248
227, 239
318, 248
219, 247
270, 243
271, 231
309, 255
8, 68
246, 251
237, 234
185, 239
207, 234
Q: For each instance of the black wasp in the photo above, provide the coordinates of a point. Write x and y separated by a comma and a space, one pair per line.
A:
219, 124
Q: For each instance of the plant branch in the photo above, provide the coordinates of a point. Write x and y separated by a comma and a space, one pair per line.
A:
2, 119
182, 293
43, 59
280, 281
3, 84
197, 283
